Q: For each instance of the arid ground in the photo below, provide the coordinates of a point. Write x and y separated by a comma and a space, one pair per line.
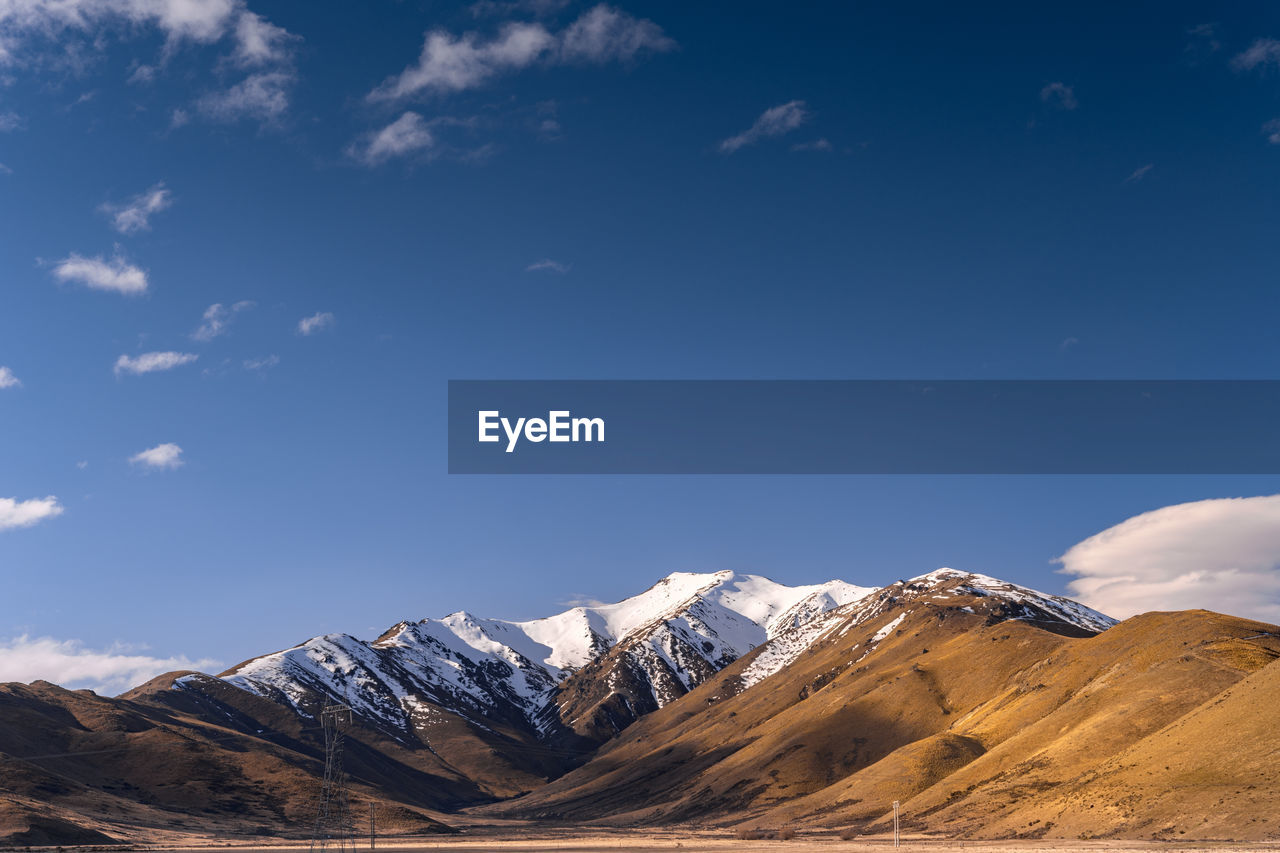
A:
714, 842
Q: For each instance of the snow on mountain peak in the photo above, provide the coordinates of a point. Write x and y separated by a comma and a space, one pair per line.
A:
977, 584
673, 635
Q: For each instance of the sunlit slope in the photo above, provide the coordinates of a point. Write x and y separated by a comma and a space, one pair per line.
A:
980, 724
884, 674
1138, 732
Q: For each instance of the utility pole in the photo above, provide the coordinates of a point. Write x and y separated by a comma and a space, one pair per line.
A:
333, 829
373, 836
896, 838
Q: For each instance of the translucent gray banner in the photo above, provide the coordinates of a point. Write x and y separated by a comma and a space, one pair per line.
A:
864, 427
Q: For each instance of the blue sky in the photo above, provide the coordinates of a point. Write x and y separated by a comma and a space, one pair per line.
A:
380, 197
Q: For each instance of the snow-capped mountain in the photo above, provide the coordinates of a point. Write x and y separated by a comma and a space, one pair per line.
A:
590, 671
681, 630
1007, 601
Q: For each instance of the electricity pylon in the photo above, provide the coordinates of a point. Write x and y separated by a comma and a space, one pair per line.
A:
334, 828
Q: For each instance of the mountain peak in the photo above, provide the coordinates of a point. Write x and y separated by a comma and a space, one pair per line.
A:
653, 647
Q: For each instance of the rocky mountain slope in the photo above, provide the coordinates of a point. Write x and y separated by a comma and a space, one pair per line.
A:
572, 680
986, 711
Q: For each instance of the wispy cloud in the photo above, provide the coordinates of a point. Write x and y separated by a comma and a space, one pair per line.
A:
548, 265
1139, 173
1202, 42
262, 97
1260, 54
1221, 554
774, 121
135, 214
260, 42
816, 145
179, 21
69, 663
315, 323
7, 379
1272, 131
217, 317
98, 273
10, 121
406, 135
264, 363
1059, 95
162, 457
582, 601
15, 513
605, 34
450, 63
150, 362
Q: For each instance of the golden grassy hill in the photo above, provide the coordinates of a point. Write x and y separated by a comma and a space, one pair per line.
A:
981, 727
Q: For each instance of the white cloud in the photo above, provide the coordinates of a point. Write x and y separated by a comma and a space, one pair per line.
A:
1139, 173
605, 34
1221, 554
1260, 54
15, 513
67, 662
262, 97
217, 317
10, 122
260, 42
1059, 95
1272, 130
405, 135
142, 75
150, 362
100, 274
547, 265
774, 121
135, 214
263, 363
201, 21
450, 63
162, 457
7, 379
196, 20
315, 323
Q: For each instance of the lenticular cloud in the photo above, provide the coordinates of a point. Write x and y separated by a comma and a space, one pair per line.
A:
1221, 554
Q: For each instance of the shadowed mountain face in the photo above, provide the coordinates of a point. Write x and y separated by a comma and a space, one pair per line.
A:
988, 709
77, 768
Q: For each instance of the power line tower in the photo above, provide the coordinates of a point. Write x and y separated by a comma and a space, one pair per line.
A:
334, 828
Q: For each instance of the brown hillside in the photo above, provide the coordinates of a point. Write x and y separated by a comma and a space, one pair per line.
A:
723, 754
980, 727
78, 768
